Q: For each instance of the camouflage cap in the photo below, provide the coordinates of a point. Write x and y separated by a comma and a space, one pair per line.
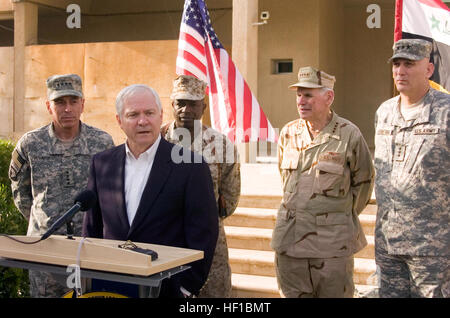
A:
188, 87
63, 85
411, 49
310, 77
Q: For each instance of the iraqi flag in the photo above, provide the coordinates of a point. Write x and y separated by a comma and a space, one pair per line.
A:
429, 20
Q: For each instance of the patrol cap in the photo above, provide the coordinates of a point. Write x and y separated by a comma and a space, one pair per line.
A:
411, 49
309, 77
63, 85
188, 87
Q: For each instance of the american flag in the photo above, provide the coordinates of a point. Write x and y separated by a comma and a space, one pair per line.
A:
234, 110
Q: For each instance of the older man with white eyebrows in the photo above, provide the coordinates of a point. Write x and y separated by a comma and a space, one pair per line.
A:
144, 196
327, 176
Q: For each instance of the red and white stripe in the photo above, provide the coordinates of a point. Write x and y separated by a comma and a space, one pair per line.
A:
415, 17
234, 109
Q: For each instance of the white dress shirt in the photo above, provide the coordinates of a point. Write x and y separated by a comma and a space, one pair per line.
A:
137, 171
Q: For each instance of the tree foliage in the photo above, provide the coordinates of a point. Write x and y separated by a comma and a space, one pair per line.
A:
13, 281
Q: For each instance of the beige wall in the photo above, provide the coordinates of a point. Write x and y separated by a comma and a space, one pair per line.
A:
331, 35
6, 90
368, 77
309, 32
331, 51
137, 20
105, 69
292, 32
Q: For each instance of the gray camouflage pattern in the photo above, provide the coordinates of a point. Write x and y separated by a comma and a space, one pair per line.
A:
412, 184
223, 160
405, 276
412, 188
411, 49
64, 85
45, 178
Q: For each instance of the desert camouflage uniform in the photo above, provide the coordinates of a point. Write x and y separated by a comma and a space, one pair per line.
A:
222, 157
46, 175
327, 182
412, 188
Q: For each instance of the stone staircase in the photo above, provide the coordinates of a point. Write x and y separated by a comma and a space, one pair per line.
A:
249, 231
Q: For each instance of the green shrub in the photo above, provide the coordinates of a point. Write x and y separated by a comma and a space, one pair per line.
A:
13, 281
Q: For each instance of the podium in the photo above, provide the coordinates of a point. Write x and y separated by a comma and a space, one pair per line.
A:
98, 258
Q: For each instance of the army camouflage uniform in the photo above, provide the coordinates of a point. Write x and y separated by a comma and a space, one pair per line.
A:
46, 175
222, 157
327, 182
412, 188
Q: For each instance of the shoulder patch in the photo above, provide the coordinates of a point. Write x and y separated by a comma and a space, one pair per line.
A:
17, 162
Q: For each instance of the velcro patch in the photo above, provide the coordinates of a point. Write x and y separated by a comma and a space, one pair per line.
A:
334, 157
384, 132
17, 162
426, 131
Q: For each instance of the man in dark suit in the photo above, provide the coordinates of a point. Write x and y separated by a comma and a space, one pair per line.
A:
145, 194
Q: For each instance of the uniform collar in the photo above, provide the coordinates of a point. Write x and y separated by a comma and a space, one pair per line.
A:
57, 147
206, 136
332, 129
148, 155
398, 120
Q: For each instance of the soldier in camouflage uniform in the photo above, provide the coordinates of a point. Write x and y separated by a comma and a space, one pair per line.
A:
222, 157
412, 183
50, 166
327, 176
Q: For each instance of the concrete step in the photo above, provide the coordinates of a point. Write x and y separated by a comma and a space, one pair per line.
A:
253, 217
368, 223
261, 263
369, 250
251, 262
252, 286
248, 238
266, 201
371, 209
266, 218
259, 239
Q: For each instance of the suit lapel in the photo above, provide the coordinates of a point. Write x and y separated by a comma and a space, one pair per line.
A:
158, 176
118, 166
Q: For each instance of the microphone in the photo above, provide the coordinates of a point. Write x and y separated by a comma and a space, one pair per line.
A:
83, 201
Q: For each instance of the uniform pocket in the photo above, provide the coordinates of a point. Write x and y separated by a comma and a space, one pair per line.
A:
331, 218
290, 159
334, 233
284, 231
329, 178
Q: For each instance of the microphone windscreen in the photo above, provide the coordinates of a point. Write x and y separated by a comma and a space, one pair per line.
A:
87, 199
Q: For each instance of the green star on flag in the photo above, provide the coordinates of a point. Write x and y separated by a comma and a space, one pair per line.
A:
435, 23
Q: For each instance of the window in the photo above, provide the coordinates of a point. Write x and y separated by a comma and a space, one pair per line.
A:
282, 66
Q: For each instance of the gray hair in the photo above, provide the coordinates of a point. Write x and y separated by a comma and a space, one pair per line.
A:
132, 89
324, 90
